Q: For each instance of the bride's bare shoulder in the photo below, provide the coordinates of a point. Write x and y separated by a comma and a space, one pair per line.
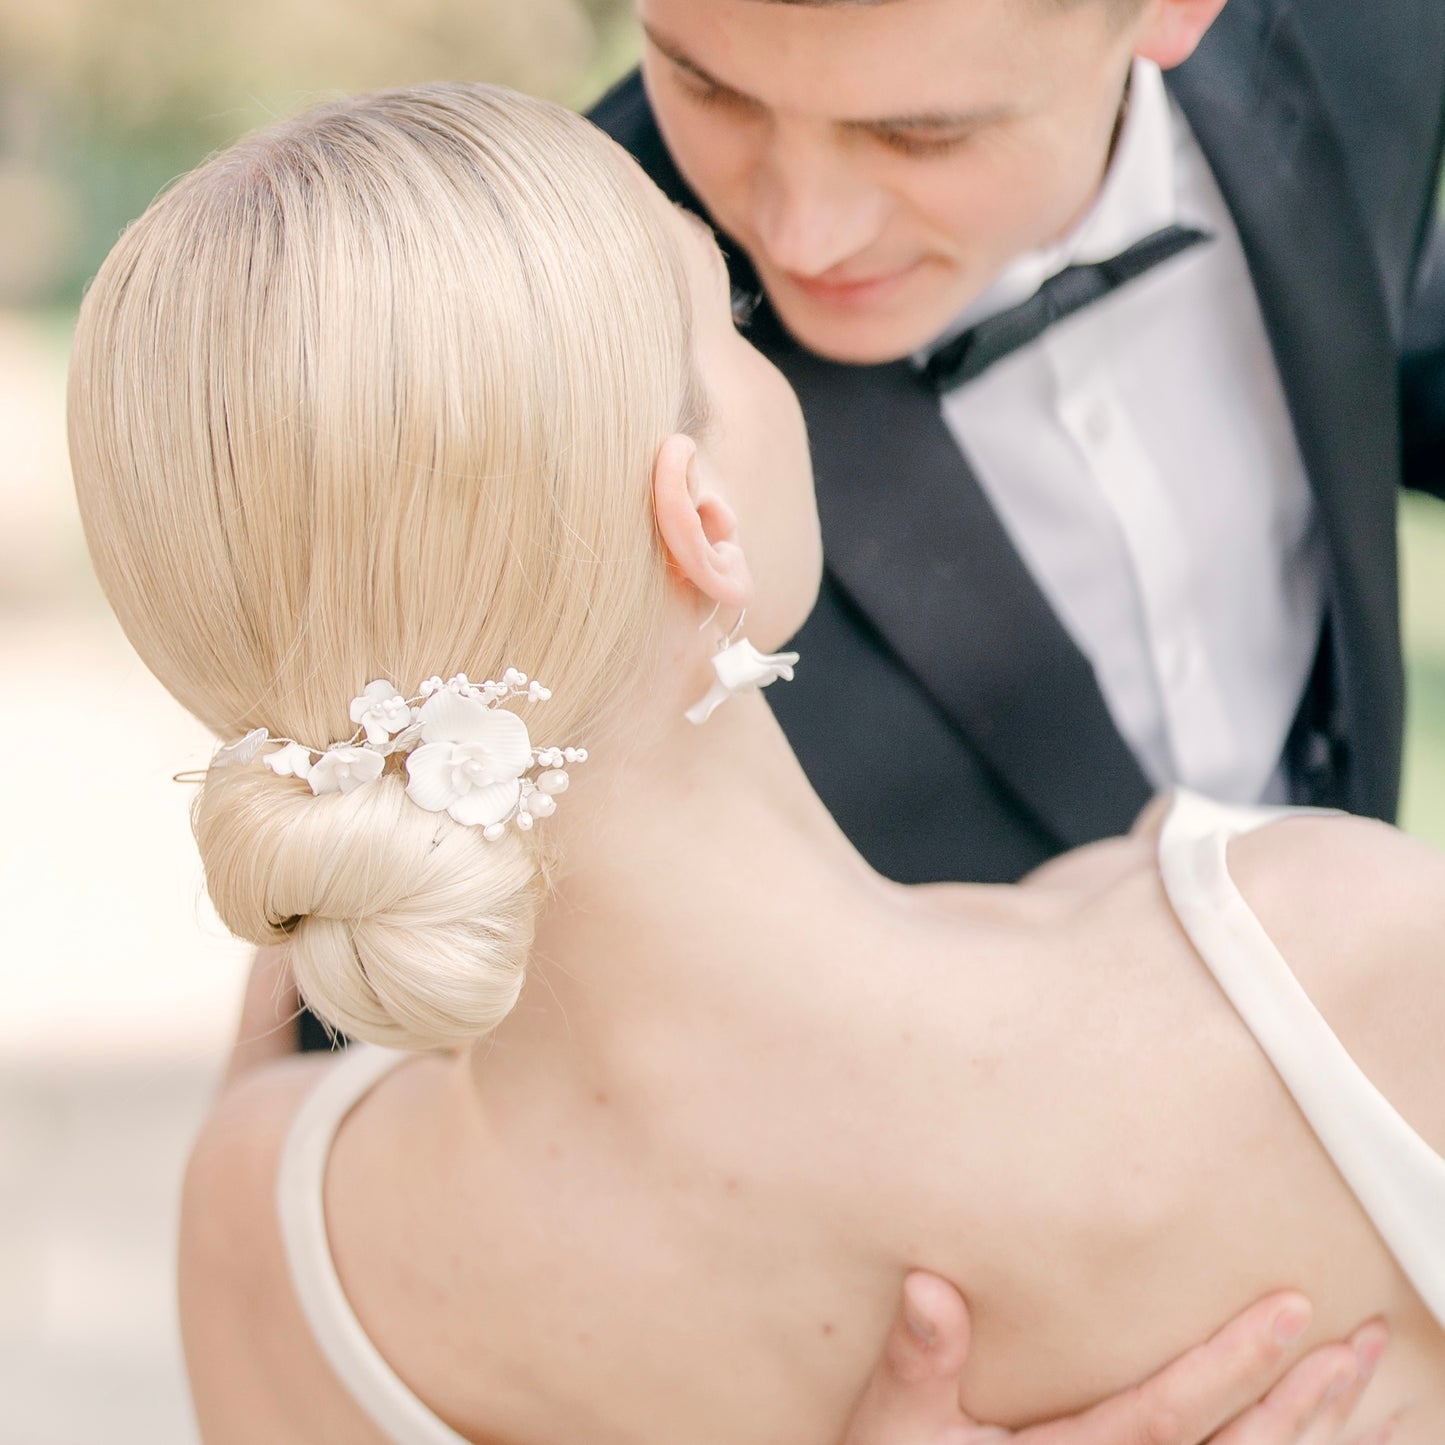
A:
1345, 890
254, 1369
227, 1205
1367, 865
1357, 908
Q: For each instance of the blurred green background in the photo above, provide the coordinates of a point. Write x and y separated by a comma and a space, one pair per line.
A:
103, 101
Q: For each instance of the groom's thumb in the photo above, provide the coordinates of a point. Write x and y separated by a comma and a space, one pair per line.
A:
912, 1396
930, 1335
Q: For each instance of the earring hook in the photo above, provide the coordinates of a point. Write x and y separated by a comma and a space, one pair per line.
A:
732, 636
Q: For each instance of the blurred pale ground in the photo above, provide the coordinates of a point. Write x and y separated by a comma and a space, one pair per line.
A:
118, 987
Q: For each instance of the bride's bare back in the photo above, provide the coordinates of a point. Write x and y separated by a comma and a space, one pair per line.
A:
1040, 1094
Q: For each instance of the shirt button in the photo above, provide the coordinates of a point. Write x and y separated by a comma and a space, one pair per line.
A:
1319, 754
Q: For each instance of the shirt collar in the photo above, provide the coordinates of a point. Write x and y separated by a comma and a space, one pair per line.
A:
1137, 198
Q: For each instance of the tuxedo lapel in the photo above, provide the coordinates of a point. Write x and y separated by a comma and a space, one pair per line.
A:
910, 536
1257, 111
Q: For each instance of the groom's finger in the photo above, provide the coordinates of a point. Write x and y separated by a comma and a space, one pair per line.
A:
1294, 1412
1322, 1391
912, 1395
1189, 1401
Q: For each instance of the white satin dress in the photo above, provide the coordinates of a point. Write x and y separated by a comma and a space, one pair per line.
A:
1398, 1179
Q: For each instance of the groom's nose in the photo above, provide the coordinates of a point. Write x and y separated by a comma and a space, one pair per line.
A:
813, 210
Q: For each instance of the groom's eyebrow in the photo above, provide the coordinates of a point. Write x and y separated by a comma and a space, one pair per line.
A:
684, 61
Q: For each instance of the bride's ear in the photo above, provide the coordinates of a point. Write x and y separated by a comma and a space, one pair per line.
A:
697, 526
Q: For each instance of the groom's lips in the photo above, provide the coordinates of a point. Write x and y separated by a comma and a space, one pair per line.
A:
849, 293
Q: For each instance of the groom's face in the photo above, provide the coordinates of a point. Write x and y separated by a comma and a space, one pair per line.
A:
881, 163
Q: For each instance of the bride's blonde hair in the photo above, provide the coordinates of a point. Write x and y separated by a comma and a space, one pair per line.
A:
377, 393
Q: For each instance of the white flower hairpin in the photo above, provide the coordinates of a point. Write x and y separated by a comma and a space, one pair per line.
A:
466, 755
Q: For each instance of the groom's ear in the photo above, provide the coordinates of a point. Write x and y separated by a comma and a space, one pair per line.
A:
697, 526
1171, 29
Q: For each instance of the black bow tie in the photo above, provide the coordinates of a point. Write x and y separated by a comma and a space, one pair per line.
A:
1074, 288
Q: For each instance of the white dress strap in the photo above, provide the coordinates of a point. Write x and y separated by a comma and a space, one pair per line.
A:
300, 1202
1398, 1179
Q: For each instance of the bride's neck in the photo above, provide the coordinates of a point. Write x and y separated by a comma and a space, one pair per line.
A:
700, 881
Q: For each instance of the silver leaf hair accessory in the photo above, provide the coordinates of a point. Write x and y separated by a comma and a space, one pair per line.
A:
466, 755
739, 668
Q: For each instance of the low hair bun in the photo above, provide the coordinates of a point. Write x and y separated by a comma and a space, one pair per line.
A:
377, 393
405, 928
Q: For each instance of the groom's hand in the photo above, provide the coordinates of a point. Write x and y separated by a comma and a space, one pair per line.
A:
1227, 1391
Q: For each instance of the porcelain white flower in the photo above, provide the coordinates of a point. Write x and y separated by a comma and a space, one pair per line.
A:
381, 710
293, 761
341, 770
470, 762
740, 668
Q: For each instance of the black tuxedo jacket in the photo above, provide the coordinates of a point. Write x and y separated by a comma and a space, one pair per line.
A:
942, 712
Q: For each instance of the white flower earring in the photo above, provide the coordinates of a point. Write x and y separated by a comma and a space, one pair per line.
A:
740, 668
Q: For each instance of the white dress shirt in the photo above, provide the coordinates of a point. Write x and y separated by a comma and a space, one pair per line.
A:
1142, 460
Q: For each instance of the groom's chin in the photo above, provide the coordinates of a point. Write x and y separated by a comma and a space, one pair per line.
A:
872, 325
